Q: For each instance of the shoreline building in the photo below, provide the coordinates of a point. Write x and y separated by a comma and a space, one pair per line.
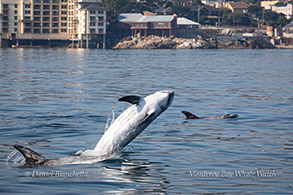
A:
81, 23
136, 25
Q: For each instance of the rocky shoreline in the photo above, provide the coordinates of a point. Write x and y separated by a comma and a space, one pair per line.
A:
156, 42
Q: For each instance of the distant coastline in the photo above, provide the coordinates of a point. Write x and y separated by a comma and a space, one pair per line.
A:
156, 42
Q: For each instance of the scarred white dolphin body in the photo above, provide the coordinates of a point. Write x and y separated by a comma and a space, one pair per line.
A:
127, 126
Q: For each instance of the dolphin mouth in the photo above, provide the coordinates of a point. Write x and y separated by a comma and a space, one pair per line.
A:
170, 98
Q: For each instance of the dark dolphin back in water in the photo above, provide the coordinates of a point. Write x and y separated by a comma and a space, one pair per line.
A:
192, 116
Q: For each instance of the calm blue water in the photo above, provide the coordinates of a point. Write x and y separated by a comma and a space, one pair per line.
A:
58, 102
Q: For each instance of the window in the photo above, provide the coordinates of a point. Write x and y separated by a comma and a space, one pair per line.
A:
15, 29
46, 19
15, 11
55, 7
101, 12
15, 17
27, 12
100, 24
46, 31
46, 12
37, 7
27, 6
63, 24
92, 24
92, 12
46, 6
15, 23
63, 6
37, 13
15, 5
37, 31
64, 30
55, 31
63, 18
37, 25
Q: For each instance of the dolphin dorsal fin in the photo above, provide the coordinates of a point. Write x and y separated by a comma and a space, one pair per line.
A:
31, 157
190, 115
133, 99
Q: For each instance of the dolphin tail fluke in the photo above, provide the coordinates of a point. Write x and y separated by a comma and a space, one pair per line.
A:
31, 157
190, 115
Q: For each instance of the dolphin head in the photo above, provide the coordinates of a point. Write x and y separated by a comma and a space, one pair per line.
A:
159, 101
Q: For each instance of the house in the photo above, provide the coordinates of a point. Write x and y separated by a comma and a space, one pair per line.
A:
234, 6
210, 13
136, 24
184, 23
285, 8
288, 31
164, 11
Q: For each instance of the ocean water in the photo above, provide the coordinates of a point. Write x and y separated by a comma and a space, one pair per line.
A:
58, 101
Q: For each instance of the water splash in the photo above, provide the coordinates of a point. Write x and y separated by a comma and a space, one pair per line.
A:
118, 108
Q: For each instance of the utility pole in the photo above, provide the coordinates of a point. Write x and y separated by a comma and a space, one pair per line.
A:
198, 12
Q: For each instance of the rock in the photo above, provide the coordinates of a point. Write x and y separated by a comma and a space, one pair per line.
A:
156, 42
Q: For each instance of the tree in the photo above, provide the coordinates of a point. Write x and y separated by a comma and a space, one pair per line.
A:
275, 19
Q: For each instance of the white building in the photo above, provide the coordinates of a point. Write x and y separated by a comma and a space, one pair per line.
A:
34, 21
0, 23
10, 18
91, 18
284, 8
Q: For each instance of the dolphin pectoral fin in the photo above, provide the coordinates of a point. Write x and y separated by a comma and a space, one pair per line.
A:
146, 121
141, 126
190, 115
133, 99
31, 157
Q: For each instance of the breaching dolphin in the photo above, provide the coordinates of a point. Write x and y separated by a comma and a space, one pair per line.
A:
192, 116
127, 126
